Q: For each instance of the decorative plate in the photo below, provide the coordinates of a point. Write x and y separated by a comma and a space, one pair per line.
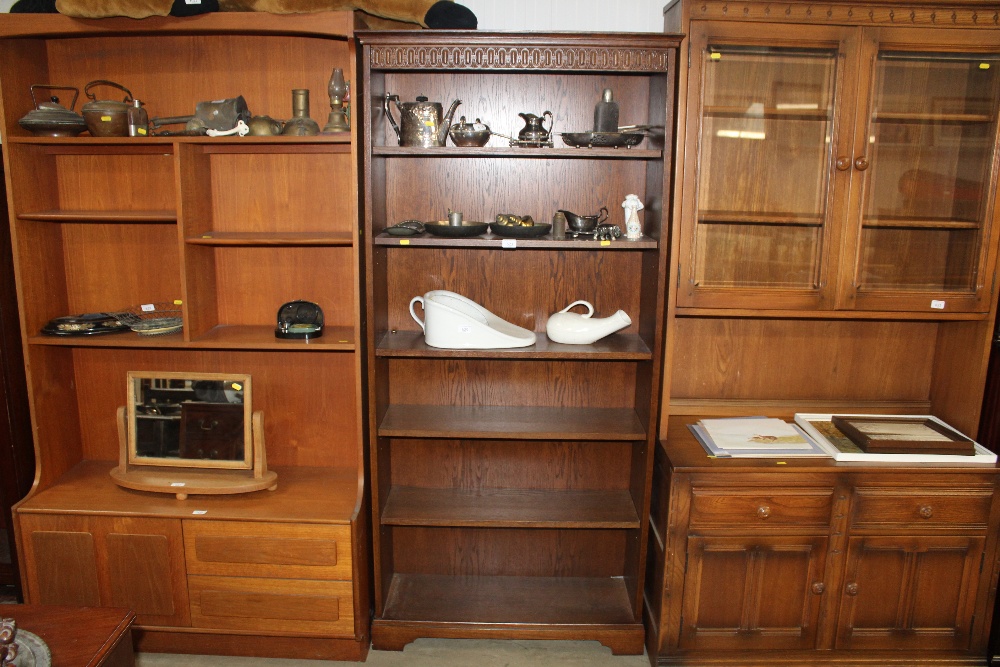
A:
520, 232
88, 324
466, 229
602, 139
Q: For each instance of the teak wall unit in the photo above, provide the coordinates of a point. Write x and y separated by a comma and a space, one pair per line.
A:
234, 227
834, 250
510, 487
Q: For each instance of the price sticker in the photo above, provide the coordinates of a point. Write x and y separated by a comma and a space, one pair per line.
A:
199, 512
937, 305
508, 244
404, 241
605, 243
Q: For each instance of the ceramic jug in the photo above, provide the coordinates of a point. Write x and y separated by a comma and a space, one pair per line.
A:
582, 329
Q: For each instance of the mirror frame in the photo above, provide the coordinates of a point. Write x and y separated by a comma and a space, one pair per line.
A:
134, 385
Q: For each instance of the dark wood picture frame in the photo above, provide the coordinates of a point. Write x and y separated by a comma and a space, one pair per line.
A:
853, 426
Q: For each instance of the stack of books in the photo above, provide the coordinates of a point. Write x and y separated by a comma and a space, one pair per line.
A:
754, 437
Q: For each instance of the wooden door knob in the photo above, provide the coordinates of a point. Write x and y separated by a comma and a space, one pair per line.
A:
861, 163
818, 587
843, 163
763, 512
852, 589
926, 511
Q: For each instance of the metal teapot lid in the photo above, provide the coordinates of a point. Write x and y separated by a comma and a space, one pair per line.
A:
50, 117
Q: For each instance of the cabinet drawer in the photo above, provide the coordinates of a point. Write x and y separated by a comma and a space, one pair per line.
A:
952, 508
296, 551
758, 507
272, 605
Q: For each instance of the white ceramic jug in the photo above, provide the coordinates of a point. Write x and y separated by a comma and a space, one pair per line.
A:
582, 329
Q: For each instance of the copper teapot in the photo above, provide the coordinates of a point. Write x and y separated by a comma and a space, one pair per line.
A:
423, 123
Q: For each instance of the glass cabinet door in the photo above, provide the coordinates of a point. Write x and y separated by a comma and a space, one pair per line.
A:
762, 205
927, 181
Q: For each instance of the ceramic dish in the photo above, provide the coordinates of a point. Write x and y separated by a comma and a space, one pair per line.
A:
88, 324
519, 232
406, 228
466, 229
602, 139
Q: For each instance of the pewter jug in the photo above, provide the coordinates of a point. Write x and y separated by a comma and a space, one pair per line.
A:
534, 132
423, 123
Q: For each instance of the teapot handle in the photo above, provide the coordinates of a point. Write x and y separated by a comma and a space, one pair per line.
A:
590, 308
105, 82
602, 215
413, 314
549, 114
392, 121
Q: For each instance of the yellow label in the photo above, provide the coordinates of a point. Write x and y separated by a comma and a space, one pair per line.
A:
715, 56
780, 463
237, 386
141, 131
984, 65
105, 119
341, 341
177, 302
605, 242
404, 241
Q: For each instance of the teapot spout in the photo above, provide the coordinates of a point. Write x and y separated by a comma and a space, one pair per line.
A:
446, 121
388, 114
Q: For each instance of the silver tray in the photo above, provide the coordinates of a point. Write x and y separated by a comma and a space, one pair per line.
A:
31, 650
602, 139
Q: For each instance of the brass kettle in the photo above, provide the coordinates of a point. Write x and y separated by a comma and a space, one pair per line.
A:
423, 123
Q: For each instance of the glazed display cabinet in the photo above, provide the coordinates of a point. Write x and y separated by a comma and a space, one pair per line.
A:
510, 487
224, 230
834, 251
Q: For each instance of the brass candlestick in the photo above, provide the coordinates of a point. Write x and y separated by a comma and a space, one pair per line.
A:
338, 90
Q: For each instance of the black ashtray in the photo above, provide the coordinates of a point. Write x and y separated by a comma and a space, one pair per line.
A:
87, 324
464, 230
302, 320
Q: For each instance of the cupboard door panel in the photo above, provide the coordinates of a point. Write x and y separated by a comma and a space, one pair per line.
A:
909, 592
138, 563
63, 568
752, 593
763, 198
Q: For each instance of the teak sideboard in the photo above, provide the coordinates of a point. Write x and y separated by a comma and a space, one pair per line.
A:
510, 487
231, 228
834, 250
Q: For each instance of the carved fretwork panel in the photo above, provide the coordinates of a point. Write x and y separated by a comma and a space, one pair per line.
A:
520, 57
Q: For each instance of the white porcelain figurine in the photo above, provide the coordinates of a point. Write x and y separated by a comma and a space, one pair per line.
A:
581, 329
633, 228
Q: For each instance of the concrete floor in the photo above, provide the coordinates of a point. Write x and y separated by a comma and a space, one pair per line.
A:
435, 653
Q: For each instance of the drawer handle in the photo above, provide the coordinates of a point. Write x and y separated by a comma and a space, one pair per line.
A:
763, 511
852, 589
926, 511
818, 587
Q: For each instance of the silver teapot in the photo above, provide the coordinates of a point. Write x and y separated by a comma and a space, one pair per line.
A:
423, 123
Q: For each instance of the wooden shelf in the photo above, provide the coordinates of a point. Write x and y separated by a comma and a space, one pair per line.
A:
511, 423
223, 337
100, 216
617, 347
549, 601
510, 152
88, 144
769, 113
738, 218
272, 239
490, 240
902, 117
510, 508
919, 223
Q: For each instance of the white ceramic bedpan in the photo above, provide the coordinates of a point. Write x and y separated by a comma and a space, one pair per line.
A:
458, 323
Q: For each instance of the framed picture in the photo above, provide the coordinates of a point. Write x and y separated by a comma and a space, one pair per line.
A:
902, 435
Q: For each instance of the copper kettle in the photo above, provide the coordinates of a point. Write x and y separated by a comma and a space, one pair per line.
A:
423, 123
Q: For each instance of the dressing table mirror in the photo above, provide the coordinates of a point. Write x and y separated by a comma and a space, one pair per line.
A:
191, 433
